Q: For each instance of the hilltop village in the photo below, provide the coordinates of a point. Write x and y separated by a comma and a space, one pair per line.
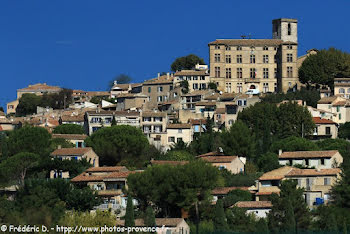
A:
243, 144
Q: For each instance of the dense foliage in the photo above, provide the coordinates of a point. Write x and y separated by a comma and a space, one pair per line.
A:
69, 129
186, 63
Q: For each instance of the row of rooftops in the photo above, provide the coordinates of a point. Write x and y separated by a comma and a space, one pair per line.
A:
251, 42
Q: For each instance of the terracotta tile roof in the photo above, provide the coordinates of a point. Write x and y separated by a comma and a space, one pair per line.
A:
119, 174
318, 120
253, 204
97, 93
212, 97
226, 190
167, 222
342, 84
339, 103
131, 95
195, 93
71, 151
166, 162
87, 178
276, 174
179, 125
228, 96
70, 136
107, 169
197, 121
160, 80
153, 114
192, 73
73, 118
214, 153
205, 103
308, 154
247, 42
327, 100
313, 172
116, 113
40, 87
219, 159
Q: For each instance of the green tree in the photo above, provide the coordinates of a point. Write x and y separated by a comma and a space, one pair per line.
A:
15, 168
184, 86
289, 218
341, 190
220, 222
28, 104
29, 139
278, 218
344, 131
323, 67
69, 129
212, 85
129, 214
119, 143
55, 142
2, 109
150, 219
177, 155
235, 196
293, 143
186, 63
114, 122
238, 140
268, 162
120, 79
87, 219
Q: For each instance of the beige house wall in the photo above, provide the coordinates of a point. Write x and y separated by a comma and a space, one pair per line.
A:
236, 166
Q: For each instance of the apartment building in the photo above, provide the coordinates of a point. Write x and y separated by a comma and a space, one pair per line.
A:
197, 79
94, 120
263, 65
179, 132
234, 164
325, 128
342, 87
337, 105
153, 125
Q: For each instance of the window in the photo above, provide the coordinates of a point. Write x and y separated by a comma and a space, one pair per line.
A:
289, 47
217, 47
149, 89
217, 57
179, 130
157, 129
195, 77
171, 139
203, 86
228, 48
327, 181
275, 48
339, 116
289, 58
322, 161
252, 58
160, 89
275, 70
341, 90
239, 47
265, 58
252, 73
239, 73
290, 72
195, 85
328, 130
265, 87
239, 88
202, 77
228, 58
159, 98
239, 58
146, 119
217, 71
266, 48
179, 139
228, 72
228, 87
289, 84
289, 29
275, 87
188, 78
146, 129
265, 73
275, 58
222, 167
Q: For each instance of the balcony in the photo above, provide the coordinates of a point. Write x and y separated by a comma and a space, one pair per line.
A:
252, 80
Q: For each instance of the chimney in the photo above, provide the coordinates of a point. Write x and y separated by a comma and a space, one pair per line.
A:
280, 152
59, 147
158, 74
167, 75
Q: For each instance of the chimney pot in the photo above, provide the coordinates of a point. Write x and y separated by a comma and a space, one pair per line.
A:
280, 152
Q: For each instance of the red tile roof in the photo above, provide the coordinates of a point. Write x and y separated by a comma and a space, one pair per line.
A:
219, 159
165, 162
308, 154
214, 153
192, 73
40, 87
107, 169
313, 172
197, 121
71, 151
253, 204
318, 120
177, 126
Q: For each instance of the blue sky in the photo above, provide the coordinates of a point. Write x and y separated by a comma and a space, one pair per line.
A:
85, 44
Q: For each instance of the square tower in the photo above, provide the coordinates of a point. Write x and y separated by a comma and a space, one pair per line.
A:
285, 29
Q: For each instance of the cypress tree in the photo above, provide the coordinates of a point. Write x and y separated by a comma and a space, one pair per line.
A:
289, 219
150, 219
129, 214
114, 122
220, 222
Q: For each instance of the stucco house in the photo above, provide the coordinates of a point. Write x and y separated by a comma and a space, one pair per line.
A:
76, 139
317, 159
233, 164
259, 208
325, 128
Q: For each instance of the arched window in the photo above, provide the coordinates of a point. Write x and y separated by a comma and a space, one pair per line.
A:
341, 90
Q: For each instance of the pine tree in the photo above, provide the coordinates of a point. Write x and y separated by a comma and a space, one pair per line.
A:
220, 222
289, 218
114, 122
150, 220
129, 214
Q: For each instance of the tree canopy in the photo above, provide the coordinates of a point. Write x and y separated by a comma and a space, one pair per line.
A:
68, 129
321, 68
28, 104
186, 63
119, 144
120, 79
